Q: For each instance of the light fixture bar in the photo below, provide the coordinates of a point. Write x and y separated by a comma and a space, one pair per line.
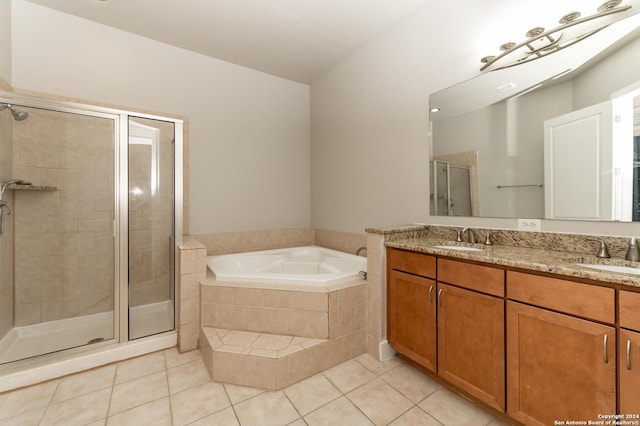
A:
553, 37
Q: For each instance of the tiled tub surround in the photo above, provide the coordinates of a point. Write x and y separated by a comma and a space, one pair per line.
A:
195, 248
238, 242
192, 268
272, 338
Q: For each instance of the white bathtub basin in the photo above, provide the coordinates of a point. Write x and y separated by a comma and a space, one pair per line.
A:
310, 268
611, 268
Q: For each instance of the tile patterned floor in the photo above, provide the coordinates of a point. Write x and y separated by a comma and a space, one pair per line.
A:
168, 388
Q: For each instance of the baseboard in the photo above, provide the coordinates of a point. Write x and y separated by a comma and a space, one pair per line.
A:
385, 351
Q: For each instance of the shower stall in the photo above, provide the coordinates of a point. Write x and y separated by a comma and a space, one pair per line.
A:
92, 215
450, 189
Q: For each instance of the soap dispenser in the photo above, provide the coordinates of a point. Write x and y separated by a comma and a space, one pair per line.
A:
633, 253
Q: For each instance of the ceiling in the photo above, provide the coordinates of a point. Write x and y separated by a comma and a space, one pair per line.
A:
295, 39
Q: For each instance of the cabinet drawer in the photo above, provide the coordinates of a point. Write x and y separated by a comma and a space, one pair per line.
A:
474, 277
593, 302
413, 263
630, 310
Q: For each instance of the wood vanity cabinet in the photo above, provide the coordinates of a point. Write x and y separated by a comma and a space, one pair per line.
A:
544, 349
454, 327
629, 352
471, 329
559, 367
411, 309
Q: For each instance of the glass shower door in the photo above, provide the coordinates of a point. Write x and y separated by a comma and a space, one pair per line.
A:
63, 292
151, 226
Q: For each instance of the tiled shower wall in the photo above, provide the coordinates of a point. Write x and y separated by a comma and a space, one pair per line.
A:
6, 240
64, 244
151, 218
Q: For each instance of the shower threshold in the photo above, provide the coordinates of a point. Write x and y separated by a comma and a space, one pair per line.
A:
53, 336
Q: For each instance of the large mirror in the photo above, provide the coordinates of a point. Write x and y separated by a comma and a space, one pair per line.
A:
552, 138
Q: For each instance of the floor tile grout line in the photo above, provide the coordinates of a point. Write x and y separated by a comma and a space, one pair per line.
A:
292, 404
323, 405
406, 396
166, 375
232, 405
113, 385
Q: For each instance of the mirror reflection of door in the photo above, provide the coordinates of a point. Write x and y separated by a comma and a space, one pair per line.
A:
591, 162
578, 164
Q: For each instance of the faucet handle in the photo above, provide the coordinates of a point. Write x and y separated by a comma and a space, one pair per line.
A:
633, 253
602, 250
459, 236
487, 239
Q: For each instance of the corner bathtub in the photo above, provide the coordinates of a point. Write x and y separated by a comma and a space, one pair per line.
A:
299, 268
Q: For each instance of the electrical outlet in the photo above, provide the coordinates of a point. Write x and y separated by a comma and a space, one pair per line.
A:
529, 224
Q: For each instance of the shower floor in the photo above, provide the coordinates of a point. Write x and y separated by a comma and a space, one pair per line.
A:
53, 336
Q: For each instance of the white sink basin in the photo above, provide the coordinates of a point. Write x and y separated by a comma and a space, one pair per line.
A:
461, 248
611, 268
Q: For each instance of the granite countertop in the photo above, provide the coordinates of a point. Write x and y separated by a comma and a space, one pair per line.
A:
534, 259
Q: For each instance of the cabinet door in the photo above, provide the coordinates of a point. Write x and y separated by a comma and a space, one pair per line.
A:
558, 367
412, 317
471, 343
629, 366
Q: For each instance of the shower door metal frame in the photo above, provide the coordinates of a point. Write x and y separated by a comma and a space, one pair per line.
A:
447, 197
123, 214
120, 227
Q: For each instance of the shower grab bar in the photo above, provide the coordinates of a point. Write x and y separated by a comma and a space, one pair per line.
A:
539, 185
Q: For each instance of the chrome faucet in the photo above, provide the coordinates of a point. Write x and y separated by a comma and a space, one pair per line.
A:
3, 204
11, 182
360, 250
602, 250
471, 235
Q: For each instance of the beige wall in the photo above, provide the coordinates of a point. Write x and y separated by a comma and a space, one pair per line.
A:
249, 131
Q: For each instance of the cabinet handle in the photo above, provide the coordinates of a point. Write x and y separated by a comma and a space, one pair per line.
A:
430, 298
606, 358
440, 298
628, 354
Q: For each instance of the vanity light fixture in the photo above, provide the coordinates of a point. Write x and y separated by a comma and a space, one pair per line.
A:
434, 109
541, 42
